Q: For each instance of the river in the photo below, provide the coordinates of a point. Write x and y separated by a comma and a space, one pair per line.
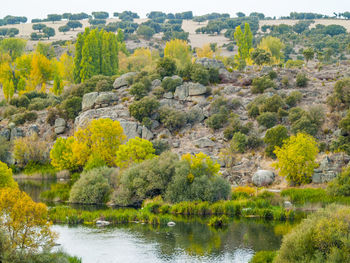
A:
190, 240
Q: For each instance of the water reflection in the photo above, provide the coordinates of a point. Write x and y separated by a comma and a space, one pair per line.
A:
34, 187
190, 241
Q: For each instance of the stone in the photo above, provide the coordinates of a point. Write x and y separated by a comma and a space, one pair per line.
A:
122, 81
168, 95
176, 144
147, 134
195, 89
156, 83
106, 98
16, 132
210, 63
263, 178
6, 133
130, 129
155, 124
197, 99
326, 75
60, 126
164, 134
287, 204
228, 90
33, 129
204, 142
228, 77
89, 100
195, 114
181, 92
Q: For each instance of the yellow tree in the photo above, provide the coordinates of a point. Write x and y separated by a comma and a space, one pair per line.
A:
296, 158
7, 78
205, 52
178, 50
274, 46
6, 179
134, 151
66, 68
41, 72
141, 59
25, 221
61, 154
102, 137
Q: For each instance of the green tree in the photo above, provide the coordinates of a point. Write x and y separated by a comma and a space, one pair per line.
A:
74, 24
57, 85
63, 29
38, 27
49, 32
146, 32
309, 54
275, 137
296, 158
261, 57
244, 42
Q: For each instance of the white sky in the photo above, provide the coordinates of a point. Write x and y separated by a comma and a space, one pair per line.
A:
40, 8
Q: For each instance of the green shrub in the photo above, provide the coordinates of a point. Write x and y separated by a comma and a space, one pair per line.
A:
200, 74
21, 101
22, 118
272, 104
261, 84
272, 74
294, 63
267, 119
158, 92
71, 107
293, 98
301, 80
139, 90
166, 67
172, 119
323, 237
93, 187
236, 126
145, 180
218, 120
340, 186
341, 94
169, 84
253, 111
239, 142
263, 257
275, 137
305, 125
160, 146
218, 221
214, 76
34, 94
104, 85
144, 108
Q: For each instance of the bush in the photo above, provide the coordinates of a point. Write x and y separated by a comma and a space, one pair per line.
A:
301, 80
166, 67
296, 158
21, 101
104, 85
30, 150
341, 94
172, 119
160, 146
218, 120
267, 119
293, 98
93, 187
170, 84
22, 118
274, 137
261, 84
145, 180
200, 74
239, 142
144, 108
5, 149
71, 107
304, 124
340, 186
272, 104
263, 257
322, 237
139, 90
196, 178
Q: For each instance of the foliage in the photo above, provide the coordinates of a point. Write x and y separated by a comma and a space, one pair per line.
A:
322, 237
267, 119
239, 142
341, 94
30, 149
93, 187
301, 80
293, 98
261, 57
263, 257
166, 67
275, 137
170, 84
205, 52
71, 107
178, 50
145, 31
218, 120
145, 180
261, 84
61, 154
102, 137
274, 46
171, 118
134, 151
244, 42
143, 108
25, 221
296, 158
6, 179
340, 186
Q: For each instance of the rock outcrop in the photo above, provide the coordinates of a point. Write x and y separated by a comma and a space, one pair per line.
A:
263, 178
95, 100
122, 81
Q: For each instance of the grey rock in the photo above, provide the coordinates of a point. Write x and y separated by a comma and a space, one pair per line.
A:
6, 133
176, 144
198, 99
147, 134
122, 81
106, 98
89, 100
228, 90
287, 204
33, 129
164, 134
204, 142
323, 177
195, 89
210, 63
228, 77
168, 95
156, 83
130, 129
60, 126
263, 178
155, 124
195, 114
327, 75
16, 132
181, 92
